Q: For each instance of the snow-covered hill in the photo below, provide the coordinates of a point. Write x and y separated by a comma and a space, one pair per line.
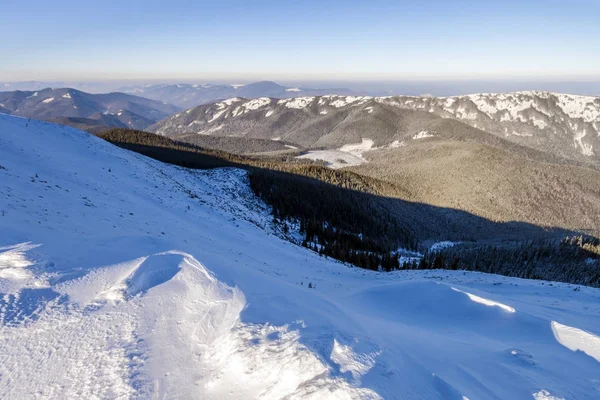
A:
562, 125
122, 277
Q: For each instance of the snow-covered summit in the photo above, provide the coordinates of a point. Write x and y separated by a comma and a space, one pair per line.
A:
122, 277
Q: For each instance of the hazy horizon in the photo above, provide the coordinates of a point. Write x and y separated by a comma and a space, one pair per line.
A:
371, 87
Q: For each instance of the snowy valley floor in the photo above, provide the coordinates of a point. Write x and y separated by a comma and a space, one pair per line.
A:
122, 277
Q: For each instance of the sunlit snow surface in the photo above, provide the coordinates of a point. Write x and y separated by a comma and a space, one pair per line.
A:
121, 277
486, 302
577, 339
347, 155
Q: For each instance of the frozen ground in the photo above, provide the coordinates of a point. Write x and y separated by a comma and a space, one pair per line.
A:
121, 277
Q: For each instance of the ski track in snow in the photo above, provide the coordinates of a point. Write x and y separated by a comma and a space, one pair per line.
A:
122, 277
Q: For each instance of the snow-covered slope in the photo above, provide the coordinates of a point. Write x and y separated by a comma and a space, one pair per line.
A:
122, 277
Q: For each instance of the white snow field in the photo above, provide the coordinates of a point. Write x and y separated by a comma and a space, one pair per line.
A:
346, 156
334, 158
122, 277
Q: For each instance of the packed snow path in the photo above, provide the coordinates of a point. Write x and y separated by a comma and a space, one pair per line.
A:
121, 277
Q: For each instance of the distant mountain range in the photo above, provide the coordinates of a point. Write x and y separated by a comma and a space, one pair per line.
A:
84, 86
133, 106
412, 87
84, 110
189, 95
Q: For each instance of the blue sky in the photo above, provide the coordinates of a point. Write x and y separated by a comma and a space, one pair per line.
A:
285, 39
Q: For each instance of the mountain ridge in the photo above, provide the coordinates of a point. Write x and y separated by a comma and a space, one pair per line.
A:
114, 109
566, 126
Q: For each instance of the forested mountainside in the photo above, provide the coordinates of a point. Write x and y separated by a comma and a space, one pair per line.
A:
238, 145
362, 221
435, 157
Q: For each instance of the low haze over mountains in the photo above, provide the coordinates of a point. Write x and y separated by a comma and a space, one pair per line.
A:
188, 95
414, 87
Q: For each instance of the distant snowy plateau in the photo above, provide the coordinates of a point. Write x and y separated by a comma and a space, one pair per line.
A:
122, 277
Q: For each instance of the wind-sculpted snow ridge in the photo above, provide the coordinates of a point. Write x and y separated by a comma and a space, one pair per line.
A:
577, 340
130, 278
166, 310
14, 262
487, 302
